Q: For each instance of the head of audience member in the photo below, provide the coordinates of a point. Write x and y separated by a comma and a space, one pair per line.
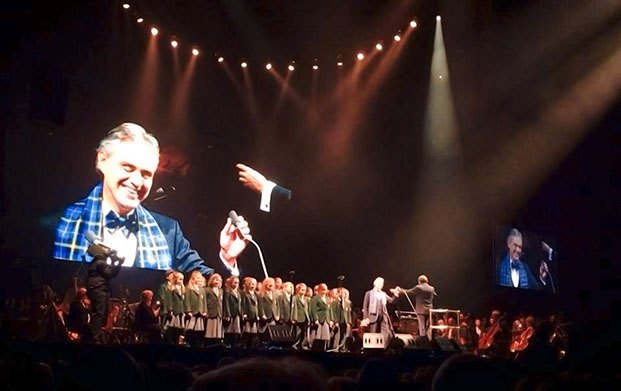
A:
377, 373
468, 372
261, 374
268, 285
127, 159
277, 283
422, 279
378, 284
300, 289
215, 281
146, 297
232, 283
514, 244
250, 284
287, 287
308, 293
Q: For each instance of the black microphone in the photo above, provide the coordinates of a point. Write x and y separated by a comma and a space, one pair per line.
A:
97, 248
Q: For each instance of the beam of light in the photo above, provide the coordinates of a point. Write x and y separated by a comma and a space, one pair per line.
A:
337, 139
379, 46
143, 105
440, 130
178, 114
397, 37
360, 56
268, 66
250, 95
413, 24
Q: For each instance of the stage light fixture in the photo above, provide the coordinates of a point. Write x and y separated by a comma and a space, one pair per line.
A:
379, 46
154, 31
244, 64
268, 66
339, 60
438, 18
440, 77
139, 20
174, 43
413, 24
339, 63
220, 59
315, 67
195, 52
397, 37
291, 66
126, 6
360, 56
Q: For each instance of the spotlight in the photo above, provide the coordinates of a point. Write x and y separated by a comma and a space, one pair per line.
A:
174, 43
438, 18
339, 64
220, 59
195, 52
291, 66
315, 67
397, 37
379, 46
413, 24
268, 66
139, 20
154, 31
126, 6
339, 60
360, 56
244, 64
440, 77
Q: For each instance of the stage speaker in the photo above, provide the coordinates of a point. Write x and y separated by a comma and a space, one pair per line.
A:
279, 335
373, 341
446, 345
408, 339
420, 343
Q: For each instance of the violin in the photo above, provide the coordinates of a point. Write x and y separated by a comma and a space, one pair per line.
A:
487, 338
520, 343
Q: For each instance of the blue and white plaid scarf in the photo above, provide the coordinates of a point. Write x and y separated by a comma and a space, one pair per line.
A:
85, 215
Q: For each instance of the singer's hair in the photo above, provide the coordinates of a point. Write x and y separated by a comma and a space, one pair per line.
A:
126, 132
212, 279
514, 233
146, 295
422, 279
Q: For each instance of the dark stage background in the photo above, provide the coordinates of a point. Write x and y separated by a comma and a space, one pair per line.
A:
381, 205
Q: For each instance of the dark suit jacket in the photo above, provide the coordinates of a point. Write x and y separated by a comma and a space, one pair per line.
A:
214, 302
267, 306
250, 306
527, 280
284, 307
319, 309
145, 318
231, 304
300, 312
423, 294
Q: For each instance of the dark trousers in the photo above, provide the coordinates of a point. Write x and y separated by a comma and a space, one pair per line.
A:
422, 324
99, 308
299, 333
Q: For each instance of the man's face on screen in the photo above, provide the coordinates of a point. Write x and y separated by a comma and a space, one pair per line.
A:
128, 170
515, 247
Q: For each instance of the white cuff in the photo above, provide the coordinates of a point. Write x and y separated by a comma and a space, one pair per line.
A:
550, 254
266, 196
233, 270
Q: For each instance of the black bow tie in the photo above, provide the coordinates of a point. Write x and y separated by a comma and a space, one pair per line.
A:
128, 224
514, 265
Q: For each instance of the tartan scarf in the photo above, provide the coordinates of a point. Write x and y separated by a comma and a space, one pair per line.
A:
85, 215
505, 273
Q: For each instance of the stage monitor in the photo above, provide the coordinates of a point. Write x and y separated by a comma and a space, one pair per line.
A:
524, 259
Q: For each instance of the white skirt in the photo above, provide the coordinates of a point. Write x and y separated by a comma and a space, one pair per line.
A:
214, 328
234, 326
196, 323
177, 321
250, 327
321, 331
